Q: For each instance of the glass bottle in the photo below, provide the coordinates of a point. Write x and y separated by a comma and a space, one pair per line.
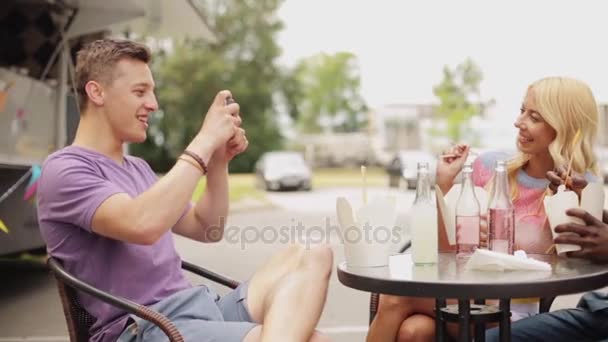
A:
423, 220
467, 216
501, 216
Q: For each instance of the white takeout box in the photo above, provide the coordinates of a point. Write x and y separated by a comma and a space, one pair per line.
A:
368, 235
592, 201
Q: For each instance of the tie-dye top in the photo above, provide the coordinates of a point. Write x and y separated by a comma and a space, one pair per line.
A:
532, 232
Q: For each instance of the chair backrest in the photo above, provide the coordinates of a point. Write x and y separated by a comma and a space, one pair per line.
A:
77, 318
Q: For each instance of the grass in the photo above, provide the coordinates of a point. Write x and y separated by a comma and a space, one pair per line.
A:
243, 185
323, 178
240, 187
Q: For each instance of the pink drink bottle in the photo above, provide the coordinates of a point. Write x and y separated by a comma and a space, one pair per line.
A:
467, 216
501, 218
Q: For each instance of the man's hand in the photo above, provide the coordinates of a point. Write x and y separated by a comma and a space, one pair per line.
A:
449, 164
220, 125
235, 146
592, 237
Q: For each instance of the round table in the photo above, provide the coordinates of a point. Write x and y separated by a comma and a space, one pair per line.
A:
449, 279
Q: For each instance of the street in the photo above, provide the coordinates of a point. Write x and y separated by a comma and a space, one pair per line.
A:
30, 309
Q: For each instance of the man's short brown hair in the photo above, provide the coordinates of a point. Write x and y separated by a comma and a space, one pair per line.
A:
96, 61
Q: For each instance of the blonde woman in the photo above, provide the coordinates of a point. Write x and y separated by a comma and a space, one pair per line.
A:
553, 110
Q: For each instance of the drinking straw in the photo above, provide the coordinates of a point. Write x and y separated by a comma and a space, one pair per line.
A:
574, 142
364, 176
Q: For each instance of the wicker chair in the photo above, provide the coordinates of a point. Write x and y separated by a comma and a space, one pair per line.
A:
79, 320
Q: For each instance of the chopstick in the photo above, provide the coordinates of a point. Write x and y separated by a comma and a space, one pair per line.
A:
451, 155
364, 176
574, 142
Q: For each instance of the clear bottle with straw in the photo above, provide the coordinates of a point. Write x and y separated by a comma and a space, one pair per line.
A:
501, 218
467, 216
423, 220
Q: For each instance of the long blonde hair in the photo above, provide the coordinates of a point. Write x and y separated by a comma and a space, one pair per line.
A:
567, 105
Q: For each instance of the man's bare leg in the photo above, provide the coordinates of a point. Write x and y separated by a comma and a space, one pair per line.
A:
288, 293
255, 335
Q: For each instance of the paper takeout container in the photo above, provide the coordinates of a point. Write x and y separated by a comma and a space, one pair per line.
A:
368, 233
592, 201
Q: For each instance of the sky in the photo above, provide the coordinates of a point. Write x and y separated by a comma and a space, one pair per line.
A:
402, 46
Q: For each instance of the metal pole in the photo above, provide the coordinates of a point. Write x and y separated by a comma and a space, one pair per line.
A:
464, 319
440, 326
60, 103
505, 321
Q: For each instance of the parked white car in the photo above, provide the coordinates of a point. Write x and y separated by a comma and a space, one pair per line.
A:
279, 170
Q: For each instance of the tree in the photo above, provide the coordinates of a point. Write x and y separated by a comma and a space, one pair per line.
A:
326, 94
243, 60
460, 99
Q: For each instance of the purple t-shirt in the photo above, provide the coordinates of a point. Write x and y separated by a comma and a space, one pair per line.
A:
74, 183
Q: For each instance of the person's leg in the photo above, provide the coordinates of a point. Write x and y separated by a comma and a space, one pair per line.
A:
255, 335
393, 317
393, 312
561, 325
417, 328
287, 294
233, 306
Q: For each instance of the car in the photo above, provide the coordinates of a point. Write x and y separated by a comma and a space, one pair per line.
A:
403, 168
278, 170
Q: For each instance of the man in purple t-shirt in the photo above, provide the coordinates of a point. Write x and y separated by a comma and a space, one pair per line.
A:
109, 220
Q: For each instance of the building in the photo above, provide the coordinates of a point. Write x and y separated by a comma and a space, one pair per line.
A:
397, 127
603, 125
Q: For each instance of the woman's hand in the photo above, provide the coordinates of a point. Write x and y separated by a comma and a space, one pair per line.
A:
449, 164
484, 234
576, 182
484, 241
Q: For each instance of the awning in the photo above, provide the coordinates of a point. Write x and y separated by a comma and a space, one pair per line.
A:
94, 15
169, 19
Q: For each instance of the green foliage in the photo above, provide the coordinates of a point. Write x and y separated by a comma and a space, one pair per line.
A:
326, 93
190, 75
459, 98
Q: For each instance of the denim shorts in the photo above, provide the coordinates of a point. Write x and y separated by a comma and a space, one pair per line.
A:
199, 314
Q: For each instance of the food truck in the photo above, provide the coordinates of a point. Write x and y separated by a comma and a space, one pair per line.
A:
38, 112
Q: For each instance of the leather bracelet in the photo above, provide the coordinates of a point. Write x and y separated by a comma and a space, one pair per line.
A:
198, 159
198, 167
